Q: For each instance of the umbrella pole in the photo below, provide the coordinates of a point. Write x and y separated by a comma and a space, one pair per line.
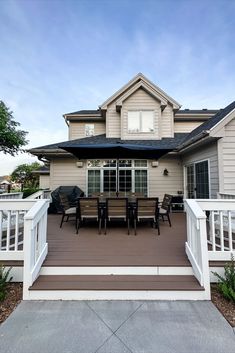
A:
117, 175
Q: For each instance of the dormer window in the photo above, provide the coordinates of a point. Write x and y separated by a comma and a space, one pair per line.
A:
140, 121
89, 130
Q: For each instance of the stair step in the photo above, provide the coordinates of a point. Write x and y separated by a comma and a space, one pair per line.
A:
116, 283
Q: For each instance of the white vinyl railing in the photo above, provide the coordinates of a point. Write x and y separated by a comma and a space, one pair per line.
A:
196, 244
40, 194
35, 243
11, 195
12, 232
223, 195
220, 227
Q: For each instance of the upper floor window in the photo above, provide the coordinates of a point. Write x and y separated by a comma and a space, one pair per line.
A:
89, 130
140, 121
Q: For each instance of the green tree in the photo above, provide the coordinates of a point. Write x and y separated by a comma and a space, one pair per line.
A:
11, 138
24, 174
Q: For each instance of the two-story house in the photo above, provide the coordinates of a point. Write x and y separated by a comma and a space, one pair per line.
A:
140, 140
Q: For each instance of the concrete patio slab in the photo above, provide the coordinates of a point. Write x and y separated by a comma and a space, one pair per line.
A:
113, 345
114, 313
116, 327
170, 327
53, 327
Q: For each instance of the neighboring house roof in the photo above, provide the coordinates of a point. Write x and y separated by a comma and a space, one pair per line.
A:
203, 129
5, 182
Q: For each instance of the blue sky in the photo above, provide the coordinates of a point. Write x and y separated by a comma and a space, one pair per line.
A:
61, 56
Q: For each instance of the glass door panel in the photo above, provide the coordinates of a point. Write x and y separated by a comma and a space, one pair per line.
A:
93, 182
190, 182
109, 181
125, 180
202, 180
141, 183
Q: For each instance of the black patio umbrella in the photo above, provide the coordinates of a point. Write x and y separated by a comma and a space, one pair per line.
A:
116, 150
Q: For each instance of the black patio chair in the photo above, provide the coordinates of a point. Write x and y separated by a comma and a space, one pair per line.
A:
165, 208
67, 209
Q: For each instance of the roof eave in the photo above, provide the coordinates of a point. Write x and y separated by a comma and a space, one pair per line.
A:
198, 137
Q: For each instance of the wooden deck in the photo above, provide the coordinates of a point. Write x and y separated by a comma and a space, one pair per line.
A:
117, 248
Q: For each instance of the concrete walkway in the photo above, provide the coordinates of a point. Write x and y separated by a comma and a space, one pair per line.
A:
116, 327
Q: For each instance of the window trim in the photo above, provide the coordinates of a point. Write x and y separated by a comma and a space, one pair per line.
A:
88, 124
140, 121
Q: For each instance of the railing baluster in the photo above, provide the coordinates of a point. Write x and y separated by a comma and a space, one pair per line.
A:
8, 230
16, 230
213, 230
1, 217
230, 238
221, 231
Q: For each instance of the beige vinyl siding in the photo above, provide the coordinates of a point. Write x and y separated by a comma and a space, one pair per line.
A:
64, 172
77, 129
206, 152
186, 126
44, 181
160, 184
167, 122
113, 121
228, 160
140, 100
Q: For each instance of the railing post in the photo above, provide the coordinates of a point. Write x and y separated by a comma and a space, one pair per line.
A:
204, 257
28, 234
196, 245
35, 245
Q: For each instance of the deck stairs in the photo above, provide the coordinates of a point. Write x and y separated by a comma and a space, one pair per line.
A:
116, 283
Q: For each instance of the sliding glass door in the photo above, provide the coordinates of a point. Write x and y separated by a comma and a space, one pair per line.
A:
202, 180
197, 180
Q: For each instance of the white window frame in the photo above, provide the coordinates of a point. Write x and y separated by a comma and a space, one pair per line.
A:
140, 122
194, 171
132, 168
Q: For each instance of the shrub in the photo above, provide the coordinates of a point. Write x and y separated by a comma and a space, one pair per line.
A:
29, 191
4, 278
227, 283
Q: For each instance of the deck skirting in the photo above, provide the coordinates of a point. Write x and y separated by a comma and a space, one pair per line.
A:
116, 295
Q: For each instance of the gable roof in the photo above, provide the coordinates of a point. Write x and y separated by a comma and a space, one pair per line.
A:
140, 77
208, 125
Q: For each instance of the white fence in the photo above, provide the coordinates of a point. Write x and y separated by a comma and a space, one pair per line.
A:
11, 195
196, 245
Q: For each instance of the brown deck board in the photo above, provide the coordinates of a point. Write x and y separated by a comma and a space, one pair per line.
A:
116, 248
73, 282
